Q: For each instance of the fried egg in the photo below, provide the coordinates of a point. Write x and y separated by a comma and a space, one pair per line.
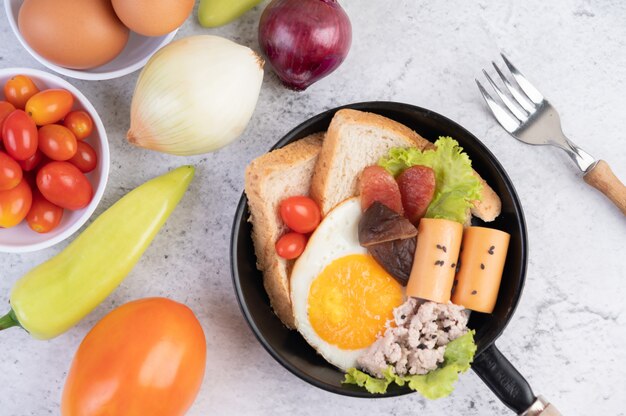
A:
342, 298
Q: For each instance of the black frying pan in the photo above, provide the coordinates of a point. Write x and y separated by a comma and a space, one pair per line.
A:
292, 351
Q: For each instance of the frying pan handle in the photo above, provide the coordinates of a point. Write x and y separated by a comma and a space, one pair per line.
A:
509, 385
503, 379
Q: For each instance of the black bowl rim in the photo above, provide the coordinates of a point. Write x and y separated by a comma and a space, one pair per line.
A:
372, 106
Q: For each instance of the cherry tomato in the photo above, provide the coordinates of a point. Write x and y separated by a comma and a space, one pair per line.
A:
147, 357
10, 172
6, 108
80, 123
19, 134
49, 106
300, 213
19, 89
85, 158
290, 245
57, 142
15, 204
43, 215
64, 185
32, 162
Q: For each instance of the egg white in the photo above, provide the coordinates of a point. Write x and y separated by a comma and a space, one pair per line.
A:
335, 237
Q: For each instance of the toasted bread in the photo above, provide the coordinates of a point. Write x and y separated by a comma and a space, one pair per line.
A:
355, 140
269, 179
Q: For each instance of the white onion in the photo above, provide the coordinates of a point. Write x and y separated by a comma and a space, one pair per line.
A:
195, 95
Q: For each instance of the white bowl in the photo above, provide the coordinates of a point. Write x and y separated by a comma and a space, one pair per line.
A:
21, 238
134, 56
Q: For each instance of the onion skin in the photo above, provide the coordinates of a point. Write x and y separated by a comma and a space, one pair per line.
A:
304, 40
195, 95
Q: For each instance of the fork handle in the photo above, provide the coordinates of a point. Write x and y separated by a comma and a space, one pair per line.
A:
604, 180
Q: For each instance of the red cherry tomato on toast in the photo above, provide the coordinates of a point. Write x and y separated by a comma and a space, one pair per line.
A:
300, 213
85, 158
15, 204
290, 245
10, 172
19, 89
57, 142
43, 216
19, 135
64, 185
80, 123
49, 106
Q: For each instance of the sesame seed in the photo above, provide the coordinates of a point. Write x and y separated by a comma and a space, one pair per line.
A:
474, 292
482, 266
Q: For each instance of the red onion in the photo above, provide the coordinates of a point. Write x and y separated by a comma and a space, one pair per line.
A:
304, 40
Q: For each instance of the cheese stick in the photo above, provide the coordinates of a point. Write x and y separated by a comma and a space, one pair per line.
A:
436, 254
481, 265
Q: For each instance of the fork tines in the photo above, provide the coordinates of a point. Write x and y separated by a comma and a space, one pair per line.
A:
524, 99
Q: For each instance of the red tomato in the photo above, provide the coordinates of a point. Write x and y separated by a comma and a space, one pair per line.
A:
417, 186
85, 158
32, 162
19, 89
19, 134
15, 204
80, 123
10, 172
43, 216
146, 357
49, 106
57, 142
6, 108
290, 245
376, 184
300, 213
64, 185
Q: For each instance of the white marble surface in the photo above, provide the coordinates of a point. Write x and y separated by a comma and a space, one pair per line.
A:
569, 334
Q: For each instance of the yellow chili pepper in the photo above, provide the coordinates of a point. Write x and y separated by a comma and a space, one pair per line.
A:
57, 294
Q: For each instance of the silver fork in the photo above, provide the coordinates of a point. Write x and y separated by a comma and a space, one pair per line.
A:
530, 118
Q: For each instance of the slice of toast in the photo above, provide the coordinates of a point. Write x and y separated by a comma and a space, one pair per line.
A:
269, 179
357, 139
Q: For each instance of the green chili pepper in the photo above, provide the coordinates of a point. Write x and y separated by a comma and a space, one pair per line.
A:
214, 13
57, 294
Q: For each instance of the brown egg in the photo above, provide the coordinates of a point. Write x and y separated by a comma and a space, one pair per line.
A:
153, 17
74, 34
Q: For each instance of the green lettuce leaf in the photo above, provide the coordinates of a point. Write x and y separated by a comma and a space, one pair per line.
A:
372, 384
436, 384
456, 185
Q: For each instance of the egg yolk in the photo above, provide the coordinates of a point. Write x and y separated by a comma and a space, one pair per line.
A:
351, 300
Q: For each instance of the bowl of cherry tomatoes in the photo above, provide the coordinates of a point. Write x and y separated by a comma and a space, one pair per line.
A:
54, 159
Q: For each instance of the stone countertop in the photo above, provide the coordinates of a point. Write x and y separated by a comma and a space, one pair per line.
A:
568, 336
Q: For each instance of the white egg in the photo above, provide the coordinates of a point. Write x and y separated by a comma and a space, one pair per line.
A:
335, 238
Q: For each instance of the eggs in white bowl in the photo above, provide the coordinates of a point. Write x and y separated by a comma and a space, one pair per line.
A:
342, 298
135, 54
